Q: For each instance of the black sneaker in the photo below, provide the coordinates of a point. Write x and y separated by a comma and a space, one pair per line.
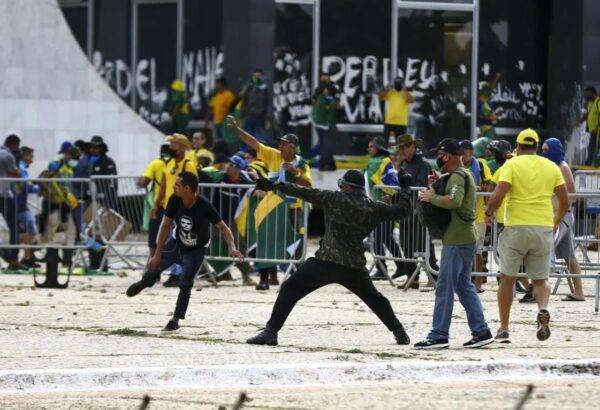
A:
479, 341
519, 288
401, 336
528, 297
172, 282
171, 326
379, 275
543, 325
135, 288
262, 286
267, 336
432, 344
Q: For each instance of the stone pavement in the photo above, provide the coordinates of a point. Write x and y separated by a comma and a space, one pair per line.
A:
92, 325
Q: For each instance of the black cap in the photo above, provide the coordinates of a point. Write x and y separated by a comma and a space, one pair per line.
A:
354, 178
466, 144
291, 138
98, 141
381, 144
449, 146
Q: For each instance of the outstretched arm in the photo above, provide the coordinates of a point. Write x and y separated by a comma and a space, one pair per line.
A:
319, 197
401, 208
244, 136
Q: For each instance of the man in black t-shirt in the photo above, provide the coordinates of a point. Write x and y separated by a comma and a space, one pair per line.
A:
192, 215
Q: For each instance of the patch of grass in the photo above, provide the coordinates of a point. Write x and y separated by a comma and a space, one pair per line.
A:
354, 351
128, 332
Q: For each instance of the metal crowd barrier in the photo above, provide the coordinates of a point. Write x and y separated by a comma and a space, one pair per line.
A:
124, 212
46, 214
405, 242
268, 228
585, 210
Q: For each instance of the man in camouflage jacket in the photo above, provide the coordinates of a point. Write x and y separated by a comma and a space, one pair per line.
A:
349, 217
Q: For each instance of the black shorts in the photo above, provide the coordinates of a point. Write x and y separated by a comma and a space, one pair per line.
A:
398, 130
154, 228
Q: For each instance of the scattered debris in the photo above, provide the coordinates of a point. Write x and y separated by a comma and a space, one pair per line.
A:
524, 397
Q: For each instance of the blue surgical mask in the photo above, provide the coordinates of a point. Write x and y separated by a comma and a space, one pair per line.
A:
73, 163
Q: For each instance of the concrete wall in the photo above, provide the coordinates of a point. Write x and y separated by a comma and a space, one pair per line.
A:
49, 92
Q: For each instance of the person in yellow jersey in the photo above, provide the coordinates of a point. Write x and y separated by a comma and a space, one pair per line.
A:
529, 223
179, 144
502, 151
592, 119
153, 174
482, 177
201, 152
397, 106
220, 105
284, 165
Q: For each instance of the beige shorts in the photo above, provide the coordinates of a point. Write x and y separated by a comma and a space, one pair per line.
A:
479, 238
530, 246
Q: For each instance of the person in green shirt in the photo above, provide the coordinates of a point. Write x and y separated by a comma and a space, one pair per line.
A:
458, 252
326, 102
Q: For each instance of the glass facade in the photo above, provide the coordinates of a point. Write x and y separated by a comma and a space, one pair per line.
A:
355, 41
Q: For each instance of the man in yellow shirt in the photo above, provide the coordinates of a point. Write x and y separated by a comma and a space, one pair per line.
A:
220, 105
397, 105
284, 166
592, 118
200, 152
527, 237
179, 144
154, 175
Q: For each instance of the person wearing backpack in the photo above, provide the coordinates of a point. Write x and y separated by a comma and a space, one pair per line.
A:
458, 252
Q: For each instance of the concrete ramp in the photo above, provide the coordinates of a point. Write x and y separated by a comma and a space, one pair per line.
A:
49, 92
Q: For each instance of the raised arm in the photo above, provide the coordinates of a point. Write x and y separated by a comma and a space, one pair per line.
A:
244, 136
319, 197
401, 207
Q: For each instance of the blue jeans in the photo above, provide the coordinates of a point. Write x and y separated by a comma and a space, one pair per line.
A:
455, 277
190, 260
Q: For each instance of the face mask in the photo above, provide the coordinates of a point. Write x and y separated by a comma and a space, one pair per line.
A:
499, 158
555, 151
257, 80
397, 86
73, 163
440, 162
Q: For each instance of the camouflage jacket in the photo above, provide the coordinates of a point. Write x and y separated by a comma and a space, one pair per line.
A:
349, 218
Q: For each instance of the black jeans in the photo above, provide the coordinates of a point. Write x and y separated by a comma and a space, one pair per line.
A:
314, 274
190, 260
8, 209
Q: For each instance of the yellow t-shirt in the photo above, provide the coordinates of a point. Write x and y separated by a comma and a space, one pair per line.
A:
396, 108
532, 182
154, 172
172, 170
593, 116
487, 177
502, 207
273, 160
221, 103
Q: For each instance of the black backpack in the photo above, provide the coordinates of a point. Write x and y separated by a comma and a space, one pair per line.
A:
437, 219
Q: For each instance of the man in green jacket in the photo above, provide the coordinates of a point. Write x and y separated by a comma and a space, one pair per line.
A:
457, 253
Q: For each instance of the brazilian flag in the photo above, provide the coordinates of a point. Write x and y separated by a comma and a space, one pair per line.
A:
275, 234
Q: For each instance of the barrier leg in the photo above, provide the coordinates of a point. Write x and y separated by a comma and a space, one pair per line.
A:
52, 272
597, 294
412, 277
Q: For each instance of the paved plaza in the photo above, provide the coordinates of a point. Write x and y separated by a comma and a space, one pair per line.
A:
93, 327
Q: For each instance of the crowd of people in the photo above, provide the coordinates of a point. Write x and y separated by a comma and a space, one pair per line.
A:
63, 198
262, 190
